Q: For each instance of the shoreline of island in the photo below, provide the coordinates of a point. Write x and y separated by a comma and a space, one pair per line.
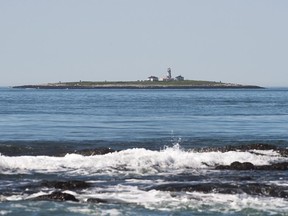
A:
187, 84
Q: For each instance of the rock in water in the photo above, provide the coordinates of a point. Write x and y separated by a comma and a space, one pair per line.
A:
96, 151
236, 165
66, 185
96, 200
242, 166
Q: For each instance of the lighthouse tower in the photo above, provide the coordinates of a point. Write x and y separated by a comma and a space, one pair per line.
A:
169, 76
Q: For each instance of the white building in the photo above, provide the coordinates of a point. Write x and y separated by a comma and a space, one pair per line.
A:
153, 78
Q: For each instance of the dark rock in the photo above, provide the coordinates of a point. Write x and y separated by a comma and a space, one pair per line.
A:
88, 152
236, 165
57, 196
283, 152
258, 146
278, 166
96, 200
265, 190
66, 185
223, 167
242, 166
249, 166
96, 151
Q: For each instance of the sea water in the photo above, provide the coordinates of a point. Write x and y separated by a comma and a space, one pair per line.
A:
159, 143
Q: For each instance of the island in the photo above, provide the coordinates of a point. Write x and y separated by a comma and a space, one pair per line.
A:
146, 84
153, 82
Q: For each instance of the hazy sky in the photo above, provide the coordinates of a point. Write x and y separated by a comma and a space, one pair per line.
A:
238, 41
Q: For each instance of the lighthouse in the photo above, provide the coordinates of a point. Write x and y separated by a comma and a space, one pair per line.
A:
169, 76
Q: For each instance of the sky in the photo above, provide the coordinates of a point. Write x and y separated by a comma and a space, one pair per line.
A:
233, 41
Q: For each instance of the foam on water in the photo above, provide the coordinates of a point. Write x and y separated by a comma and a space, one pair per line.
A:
4, 212
137, 161
166, 201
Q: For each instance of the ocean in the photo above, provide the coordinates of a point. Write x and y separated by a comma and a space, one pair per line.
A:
144, 152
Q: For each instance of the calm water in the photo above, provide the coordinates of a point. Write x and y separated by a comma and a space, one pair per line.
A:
157, 135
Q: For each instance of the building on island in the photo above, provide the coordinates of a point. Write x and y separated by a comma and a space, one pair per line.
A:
179, 78
153, 78
167, 78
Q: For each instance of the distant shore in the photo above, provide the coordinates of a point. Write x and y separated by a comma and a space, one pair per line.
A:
187, 84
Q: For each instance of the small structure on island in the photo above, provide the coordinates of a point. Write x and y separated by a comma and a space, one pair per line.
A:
179, 78
169, 75
153, 78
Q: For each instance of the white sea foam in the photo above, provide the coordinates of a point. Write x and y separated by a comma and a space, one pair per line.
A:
3, 212
168, 202
265, 152
137, 160
233, 202
129, 194
164, 201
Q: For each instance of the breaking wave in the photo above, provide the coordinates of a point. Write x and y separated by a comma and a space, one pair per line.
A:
138, 161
